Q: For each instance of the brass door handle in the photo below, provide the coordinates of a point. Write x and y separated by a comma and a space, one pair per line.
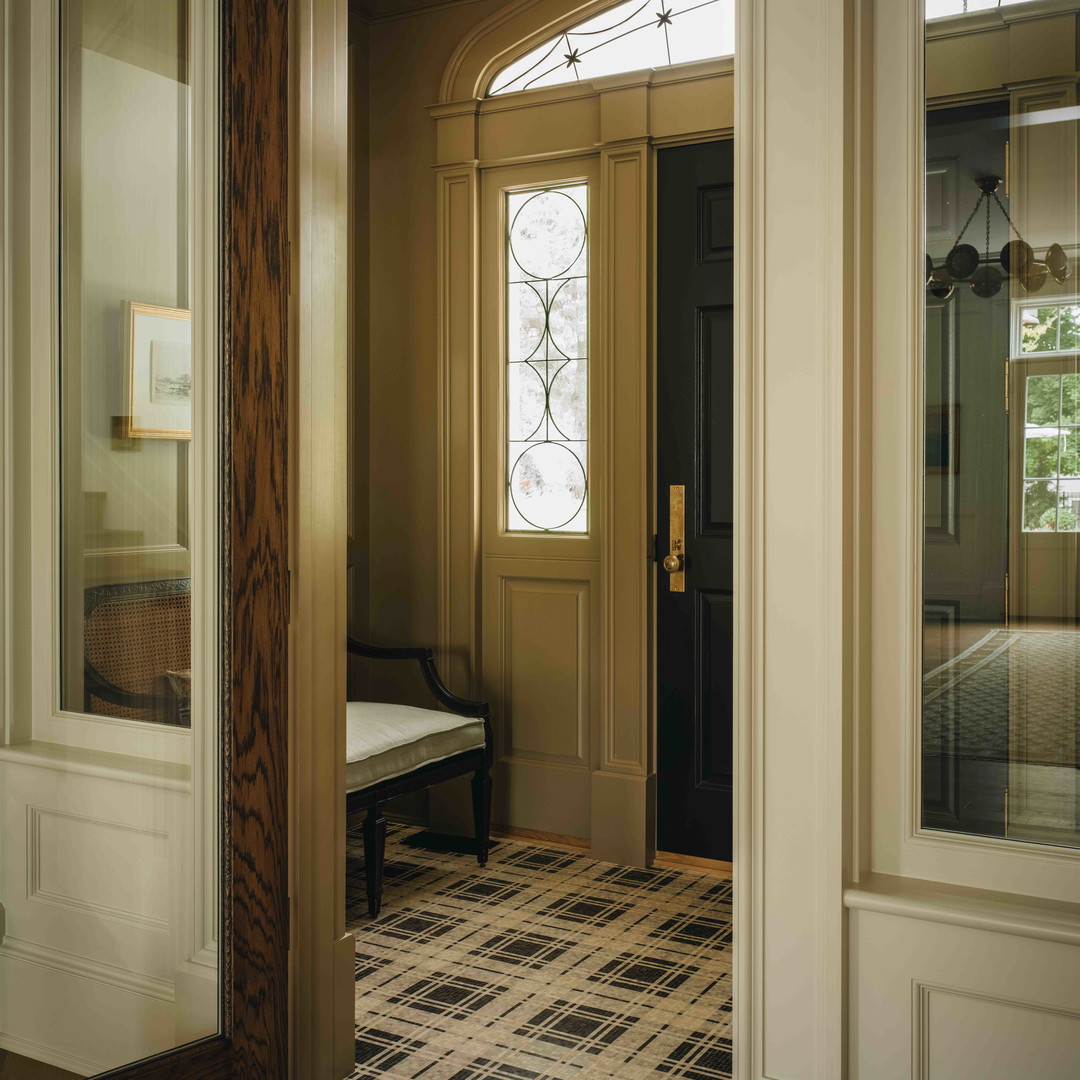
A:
675, 562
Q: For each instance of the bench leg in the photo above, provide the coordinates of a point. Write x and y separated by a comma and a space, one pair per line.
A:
374, 853
481, 801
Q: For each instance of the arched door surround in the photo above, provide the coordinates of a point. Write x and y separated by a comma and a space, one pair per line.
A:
599, 582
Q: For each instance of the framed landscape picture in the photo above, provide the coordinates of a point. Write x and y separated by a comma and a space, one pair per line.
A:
157, 372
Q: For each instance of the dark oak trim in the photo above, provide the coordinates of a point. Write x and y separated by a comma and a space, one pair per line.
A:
255, 604
255, 548
210, 1059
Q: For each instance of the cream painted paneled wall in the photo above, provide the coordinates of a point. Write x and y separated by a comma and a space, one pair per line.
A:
407, 59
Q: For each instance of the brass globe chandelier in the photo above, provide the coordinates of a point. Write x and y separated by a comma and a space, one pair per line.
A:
1017, 258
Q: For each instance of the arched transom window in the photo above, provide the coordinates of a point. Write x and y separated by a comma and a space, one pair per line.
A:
628, 37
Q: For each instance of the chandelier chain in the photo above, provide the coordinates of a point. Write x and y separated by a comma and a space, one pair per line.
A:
974, 211
1006, 213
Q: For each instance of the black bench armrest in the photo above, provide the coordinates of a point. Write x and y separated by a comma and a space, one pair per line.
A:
173, 708
426, 659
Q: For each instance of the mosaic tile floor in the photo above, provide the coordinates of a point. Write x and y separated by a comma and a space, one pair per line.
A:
544, 965
1010, 696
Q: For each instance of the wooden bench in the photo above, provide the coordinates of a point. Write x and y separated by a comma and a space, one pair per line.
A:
394, 750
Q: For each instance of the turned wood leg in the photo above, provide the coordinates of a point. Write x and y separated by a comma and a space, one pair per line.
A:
374, 853
481, 801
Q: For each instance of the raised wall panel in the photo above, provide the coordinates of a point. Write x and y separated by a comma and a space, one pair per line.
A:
951, 1000
93, 912
90, 873
545, 669
964, 1034
113, 871
941, 223
540, 676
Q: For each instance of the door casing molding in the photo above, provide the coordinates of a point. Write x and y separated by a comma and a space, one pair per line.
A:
322, 976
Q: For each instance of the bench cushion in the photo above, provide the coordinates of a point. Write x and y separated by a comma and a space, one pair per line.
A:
384, 741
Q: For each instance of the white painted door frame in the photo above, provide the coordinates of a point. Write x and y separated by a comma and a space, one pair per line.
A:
322, 987
796, 594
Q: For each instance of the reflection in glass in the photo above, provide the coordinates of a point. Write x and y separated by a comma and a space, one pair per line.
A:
109, 852
547, 298
126, 361
1001, 557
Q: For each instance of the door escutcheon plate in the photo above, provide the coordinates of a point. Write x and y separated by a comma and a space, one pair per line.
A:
675, 562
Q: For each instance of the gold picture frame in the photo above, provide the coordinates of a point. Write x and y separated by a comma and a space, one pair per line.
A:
157, 372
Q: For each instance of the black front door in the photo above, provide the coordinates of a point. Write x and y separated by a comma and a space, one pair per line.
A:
694, 400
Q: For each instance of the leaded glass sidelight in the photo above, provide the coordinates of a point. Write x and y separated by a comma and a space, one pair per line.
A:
628, 37
547, 344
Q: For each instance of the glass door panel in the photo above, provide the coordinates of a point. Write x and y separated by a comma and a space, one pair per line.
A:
109, 770
1001, 422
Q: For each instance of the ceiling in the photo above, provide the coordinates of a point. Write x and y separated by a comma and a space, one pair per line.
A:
382, 9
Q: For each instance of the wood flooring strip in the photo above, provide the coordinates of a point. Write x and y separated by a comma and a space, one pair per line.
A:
570, 843
691, 862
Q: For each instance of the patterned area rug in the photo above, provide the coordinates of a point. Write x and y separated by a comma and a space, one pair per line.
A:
1013, 695
544, 964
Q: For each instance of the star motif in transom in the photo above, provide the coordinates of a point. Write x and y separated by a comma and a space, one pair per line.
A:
572, 58
663, 18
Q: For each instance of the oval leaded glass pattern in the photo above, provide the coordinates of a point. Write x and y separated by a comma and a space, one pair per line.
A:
628, 37
547, 344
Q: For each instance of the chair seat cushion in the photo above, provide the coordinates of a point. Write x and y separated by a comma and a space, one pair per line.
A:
384, 741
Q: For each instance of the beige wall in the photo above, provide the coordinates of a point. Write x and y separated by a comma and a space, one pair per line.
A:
132, 223
407, 58
359, 324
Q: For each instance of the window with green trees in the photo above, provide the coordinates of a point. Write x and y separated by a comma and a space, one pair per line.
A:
1052, 453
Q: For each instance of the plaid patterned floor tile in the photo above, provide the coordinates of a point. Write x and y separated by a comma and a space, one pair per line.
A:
586, 911
544, 965
456, 997
484, 1069
655, 975
522, 948
379, 1052
578, 1027
701, 1056
694, 928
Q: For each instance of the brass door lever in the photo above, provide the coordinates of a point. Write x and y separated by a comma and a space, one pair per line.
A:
674, 563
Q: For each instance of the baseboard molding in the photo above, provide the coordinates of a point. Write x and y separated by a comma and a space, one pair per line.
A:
674, 861
571, 843
37, 1052
81, 967
623, 818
